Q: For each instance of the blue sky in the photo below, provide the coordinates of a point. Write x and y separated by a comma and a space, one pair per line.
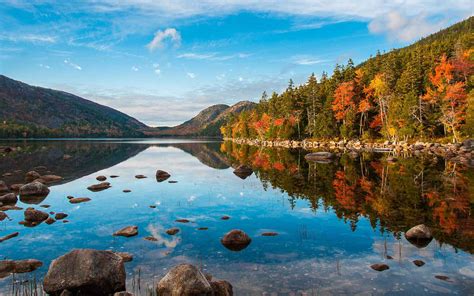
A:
164, 61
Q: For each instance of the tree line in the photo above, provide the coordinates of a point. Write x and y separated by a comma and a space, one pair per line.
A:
423, 91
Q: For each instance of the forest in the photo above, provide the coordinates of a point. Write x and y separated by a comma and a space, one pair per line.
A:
420, 92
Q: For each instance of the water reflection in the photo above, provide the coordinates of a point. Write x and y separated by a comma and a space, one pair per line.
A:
333, 220
394, 194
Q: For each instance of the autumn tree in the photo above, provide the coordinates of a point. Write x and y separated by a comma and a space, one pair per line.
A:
344, 107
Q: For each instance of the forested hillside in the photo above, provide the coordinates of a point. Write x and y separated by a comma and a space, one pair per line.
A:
29, 111
422, 91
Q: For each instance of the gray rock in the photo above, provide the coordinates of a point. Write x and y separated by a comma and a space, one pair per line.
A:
86, 272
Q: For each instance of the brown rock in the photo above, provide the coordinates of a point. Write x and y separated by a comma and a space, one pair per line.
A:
442, 277
225, 218
99, 187
32, 215
418, 263
140, 176
127, 190
172, 231
76, 200
49, 179
92, 272
3, 216
127, 231
379, 267
124, 293
101, 178
31, 176
150, 238
184, 280
8, 199
8, 267
60, 216
16, 187
269, 234
162, 175
9, 236
243, 171
183, 221
126, 257
34, 189
3, 187
236, 240
221, 288
50, 221
419, 235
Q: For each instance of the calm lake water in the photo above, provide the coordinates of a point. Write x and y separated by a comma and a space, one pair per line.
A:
334, 220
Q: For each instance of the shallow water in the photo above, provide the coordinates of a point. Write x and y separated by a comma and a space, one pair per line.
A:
333, 220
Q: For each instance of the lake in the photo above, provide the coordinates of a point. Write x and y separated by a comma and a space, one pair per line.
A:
334, 220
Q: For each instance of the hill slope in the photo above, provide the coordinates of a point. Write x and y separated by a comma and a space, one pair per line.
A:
29, 111
206, 123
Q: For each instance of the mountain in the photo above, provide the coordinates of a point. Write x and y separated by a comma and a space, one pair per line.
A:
30, 111
206, 123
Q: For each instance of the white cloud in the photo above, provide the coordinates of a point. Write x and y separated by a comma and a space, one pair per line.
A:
401, 27
44, 66
134, 68
161, 36
196, 56
29, 38
191, 75
73, 65
211, 56
308, 61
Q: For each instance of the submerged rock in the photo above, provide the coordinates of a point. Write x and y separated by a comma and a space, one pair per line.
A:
140, 176
419, 235
243, 171
92, 272
60, 216
236, 240
324, 157
225, 217
184, 280
269, 234
32, 215
127, 190
8, 267
182, 221
162, 175
203, 228
114, 176
442, 277
9, 236
50, 221
150, 238
76, 200
172, 231
34, 189
379, 267
99, 187
127, 231
8, 199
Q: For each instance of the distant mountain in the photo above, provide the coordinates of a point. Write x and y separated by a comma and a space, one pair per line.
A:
206, 123
29, 111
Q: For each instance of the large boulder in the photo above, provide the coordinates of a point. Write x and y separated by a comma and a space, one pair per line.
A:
34, 189
8, 199
184, 280
243, 171
162, 175
86, 272
8, 267
236, 240
419, 235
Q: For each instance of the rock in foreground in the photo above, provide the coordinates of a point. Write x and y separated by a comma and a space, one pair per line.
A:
188, 280
236, 240
32, 215
86, 272
8, 199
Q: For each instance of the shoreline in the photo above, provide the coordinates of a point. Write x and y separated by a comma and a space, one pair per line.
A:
458, 152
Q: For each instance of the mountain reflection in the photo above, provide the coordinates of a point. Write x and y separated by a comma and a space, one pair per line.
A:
394, 194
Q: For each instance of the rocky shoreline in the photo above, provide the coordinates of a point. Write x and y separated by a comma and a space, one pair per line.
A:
457, 152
